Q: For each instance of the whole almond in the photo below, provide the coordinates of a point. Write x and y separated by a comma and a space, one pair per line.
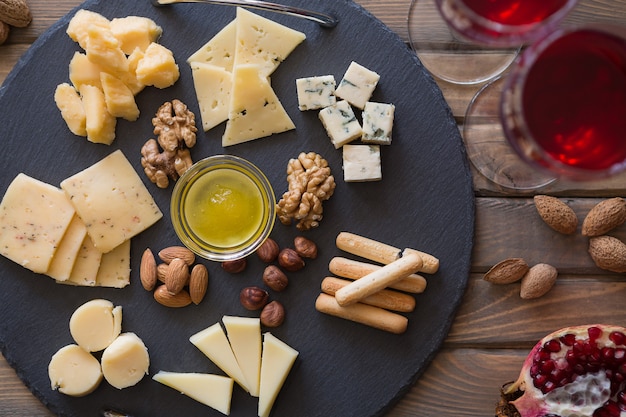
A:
538, 280
5, 29
198, 283
604, 216
507, 271
15, 13
164, 297
177, 275
180, 252
608, 253
148, 270
162, 272
556, 214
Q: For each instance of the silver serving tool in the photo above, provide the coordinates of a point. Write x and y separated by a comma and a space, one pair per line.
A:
322, 19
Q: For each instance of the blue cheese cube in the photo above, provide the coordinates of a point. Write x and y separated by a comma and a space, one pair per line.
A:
361, 163
357, 85
340, 123
377, 123
316, 92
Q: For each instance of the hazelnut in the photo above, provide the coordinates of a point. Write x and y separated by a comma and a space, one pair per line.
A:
305, 247
274, 278
290, 260
273, 314
253, 298
234, 267
268, 251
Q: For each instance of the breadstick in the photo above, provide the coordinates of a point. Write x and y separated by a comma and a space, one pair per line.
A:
381, 252
379, 279
387, 299
362, 313
348, 268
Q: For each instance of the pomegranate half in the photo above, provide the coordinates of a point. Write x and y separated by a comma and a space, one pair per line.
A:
577, 371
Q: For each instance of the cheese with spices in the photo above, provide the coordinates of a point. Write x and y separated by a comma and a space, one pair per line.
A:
114, 270
67, 252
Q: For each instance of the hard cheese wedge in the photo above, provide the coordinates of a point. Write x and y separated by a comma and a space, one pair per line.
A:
244, 335
34, 217
213, 390
219, 50
213, 86
277, 360
213, 343
112, 201
255, 110
67, 252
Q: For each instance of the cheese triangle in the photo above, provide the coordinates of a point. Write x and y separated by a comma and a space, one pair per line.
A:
213, 86
277, 360
219, 50
212, 390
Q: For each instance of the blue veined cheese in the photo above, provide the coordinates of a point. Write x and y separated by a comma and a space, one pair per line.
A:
316, 92
340, 123
361, 163
377, 123
357, 85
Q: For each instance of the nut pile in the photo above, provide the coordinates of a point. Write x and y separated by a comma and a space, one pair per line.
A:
13, 13
177, 281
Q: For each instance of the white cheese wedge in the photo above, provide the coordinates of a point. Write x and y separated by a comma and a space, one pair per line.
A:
112, 201
85, 269
316, 92
278, 359
96, 324
213, 343
214, 391
34, 217
244, 335
213, 86
255, 110
340, 123
114, 270
67, 252
263, 42
125, 361
219, 50
74, 371
378, 123
361, 163
357, 85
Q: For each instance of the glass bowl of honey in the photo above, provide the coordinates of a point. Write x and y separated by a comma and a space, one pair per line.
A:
223, 208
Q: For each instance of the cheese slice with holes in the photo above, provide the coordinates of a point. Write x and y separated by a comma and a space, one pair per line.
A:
219, 50
255, 110
244, 335
112, 201
213, 86
34, 217
114, 270
214, 391
67, 252
276, 363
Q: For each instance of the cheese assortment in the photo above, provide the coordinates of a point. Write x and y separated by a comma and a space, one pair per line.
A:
250, 48
258, 362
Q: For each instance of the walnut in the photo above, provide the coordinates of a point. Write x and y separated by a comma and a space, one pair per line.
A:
176, 128
310, 183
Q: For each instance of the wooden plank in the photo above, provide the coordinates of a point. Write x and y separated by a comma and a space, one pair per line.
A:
15, 398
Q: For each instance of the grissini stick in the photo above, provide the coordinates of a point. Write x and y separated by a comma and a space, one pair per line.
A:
387, 299
376, 317
380, 252
349, 268
379, 279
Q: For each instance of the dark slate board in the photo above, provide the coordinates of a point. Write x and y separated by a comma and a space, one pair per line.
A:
424, 201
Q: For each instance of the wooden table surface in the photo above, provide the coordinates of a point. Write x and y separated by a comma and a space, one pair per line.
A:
494, 328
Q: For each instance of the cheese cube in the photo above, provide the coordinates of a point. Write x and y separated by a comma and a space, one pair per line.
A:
130, 78
135, 32
103, 49
214, 391
112, 201
213, 87
377, 123
99, 123
244, 335
361, 163
219, 50
79, 24
278, 358
67, 252
34, 217
357, 85
83, 71
70, 104
114, 271
316, 92
340, 123
119, 99
157, 67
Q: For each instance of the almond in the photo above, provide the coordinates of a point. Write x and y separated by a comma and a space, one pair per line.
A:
180, 252
162, 272
507, 271
164, 297
177, 275
556, 214
198, 283
15, 13
148, 270
604, 216
538, 280
608, 253
4, 31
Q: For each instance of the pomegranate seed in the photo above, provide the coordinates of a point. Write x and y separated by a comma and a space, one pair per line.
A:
539, 381
618, 338
621, 397
619, 354
548, 387
546, 367
568, 339
552, 346
594, 333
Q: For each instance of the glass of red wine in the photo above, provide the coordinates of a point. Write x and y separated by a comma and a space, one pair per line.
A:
473, 41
